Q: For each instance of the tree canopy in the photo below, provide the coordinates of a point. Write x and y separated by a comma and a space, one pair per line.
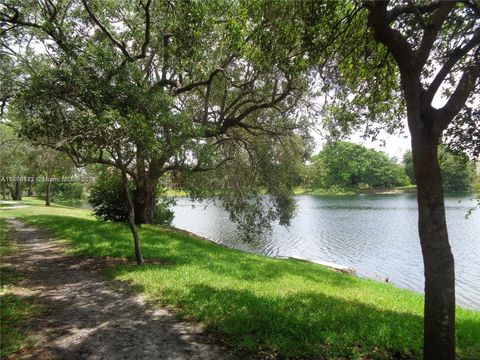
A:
458, 171
168, 86
350, 165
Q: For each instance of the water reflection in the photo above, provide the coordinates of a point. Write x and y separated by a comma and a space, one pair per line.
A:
375, 234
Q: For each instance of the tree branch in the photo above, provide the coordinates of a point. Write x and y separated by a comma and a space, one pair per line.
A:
117, 43
452, 59
397, 11
431, 31
194, 85
396, 43
16, 20
472, 5
466, 85
147, 31
234, 121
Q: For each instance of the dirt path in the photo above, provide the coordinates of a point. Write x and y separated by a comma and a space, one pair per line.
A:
91, 317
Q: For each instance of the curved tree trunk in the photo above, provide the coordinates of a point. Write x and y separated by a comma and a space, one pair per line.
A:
48, 186
439, 312
131, 219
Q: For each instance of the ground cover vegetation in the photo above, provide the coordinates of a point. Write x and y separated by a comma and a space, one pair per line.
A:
258, 305
15, 311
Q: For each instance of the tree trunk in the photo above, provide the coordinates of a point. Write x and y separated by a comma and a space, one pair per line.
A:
3, 191
439, 311
145, 199
11, 189
18, 190
30, 191
131, 220
48, 185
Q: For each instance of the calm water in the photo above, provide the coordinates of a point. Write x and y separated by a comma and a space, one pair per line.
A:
377, 235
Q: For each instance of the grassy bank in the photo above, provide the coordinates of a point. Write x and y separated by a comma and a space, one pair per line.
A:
256, 304
337, 191
15, 311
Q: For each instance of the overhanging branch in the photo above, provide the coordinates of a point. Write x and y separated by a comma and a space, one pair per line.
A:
147, 31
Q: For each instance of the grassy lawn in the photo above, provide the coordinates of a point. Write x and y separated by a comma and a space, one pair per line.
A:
15, 311
257, 304
340, 192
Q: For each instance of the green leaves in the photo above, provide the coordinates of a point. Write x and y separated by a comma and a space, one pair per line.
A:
349, 165
208, 90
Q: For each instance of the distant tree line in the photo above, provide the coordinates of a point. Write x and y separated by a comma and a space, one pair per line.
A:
20, 159
345, 165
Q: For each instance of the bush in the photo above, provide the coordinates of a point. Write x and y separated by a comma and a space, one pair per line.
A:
163, 215
66, 191
107, 197
109, 202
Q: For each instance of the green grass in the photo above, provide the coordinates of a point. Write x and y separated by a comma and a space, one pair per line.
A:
324, 192
6, 248
258, 304
337, 191
175, 193
15, 311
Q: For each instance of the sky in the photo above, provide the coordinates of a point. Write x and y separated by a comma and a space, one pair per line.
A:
393, 145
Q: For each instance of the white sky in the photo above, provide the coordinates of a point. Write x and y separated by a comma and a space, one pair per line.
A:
393, 145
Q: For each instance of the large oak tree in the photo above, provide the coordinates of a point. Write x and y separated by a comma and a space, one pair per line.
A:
198, 80
190, 88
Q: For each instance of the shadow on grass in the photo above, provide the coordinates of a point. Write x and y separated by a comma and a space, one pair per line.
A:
245, 306
105, 239
308, 325
15, 311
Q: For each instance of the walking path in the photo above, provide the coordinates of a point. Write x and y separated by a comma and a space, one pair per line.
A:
89, 316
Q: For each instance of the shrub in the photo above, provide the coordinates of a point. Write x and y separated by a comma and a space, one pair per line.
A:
107, 197
163, 215
109, 202
67, 191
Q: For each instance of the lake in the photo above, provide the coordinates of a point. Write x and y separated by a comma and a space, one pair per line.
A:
375, 234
